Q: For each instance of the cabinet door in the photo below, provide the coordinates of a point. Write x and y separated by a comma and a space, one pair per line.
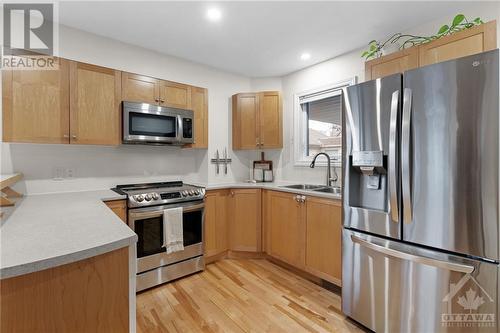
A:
215, 222
95, 97
323, 239
271, 121
461, 44
286, 227
245, 121
175, 95
119, 207
199, 103
245, 220
140, 88
397, 62
36, 105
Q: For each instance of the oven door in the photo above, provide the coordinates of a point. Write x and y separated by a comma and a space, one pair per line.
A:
148, 225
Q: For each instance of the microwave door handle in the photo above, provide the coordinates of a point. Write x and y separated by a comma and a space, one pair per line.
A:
405, 152
179, 128
393, 157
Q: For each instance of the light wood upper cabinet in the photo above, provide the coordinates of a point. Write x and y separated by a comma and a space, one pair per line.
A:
36, 105
257, 120
391, 64
245, 227
95, 97
140, 88
199, 105
215, 223
323, 239
271, 129
245, 121
175, 95
285, 226
467, 42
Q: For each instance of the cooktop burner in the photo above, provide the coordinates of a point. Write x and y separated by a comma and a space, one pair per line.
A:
161, 193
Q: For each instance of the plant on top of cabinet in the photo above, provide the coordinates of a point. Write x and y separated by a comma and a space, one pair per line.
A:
257, 120
402, 41
473, 40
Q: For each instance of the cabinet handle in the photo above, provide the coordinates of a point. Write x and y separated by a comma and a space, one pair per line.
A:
66, 136
74, 137
302, 198
232, 193
162, 101
257, 142
157, 100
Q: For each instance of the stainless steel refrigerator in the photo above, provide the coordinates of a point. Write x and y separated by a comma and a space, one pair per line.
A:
420, 244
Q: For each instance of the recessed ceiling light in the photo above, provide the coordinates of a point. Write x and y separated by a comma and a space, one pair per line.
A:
214, 14
305, 56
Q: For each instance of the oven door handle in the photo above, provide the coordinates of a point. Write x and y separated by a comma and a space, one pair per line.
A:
155, 213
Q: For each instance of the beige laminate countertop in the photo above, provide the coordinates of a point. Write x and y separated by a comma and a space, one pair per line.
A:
275, 186
48, 230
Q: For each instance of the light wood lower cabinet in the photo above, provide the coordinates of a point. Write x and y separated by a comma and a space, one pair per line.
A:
36, 104
323, 239
305, 234
91, 295
119, 207
215, 223
285, 228
245, 227
95, 105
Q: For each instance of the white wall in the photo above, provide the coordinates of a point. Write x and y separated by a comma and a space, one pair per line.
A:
339, 69
100, 167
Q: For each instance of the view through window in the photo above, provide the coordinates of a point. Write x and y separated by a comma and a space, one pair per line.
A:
324, 125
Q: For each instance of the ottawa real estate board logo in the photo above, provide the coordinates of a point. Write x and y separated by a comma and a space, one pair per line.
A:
468, 305
28, 36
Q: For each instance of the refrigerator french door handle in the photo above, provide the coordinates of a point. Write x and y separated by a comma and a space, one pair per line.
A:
451, 266
393, 157
405, 152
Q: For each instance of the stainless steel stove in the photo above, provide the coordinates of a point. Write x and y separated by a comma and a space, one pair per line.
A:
146, 204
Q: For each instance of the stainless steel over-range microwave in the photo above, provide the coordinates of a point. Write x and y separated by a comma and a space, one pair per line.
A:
152, 124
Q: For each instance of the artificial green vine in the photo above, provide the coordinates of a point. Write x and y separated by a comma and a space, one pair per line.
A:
459, 23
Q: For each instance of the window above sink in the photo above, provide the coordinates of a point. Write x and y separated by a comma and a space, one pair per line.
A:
318, 124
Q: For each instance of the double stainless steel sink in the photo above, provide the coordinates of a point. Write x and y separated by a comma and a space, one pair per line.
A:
315, 188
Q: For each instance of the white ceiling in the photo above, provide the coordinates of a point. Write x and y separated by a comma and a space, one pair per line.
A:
256, 39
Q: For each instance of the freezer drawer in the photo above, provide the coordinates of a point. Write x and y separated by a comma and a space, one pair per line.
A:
389, 286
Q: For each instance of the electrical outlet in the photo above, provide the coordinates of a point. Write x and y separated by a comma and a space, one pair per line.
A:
58, 173
70, 173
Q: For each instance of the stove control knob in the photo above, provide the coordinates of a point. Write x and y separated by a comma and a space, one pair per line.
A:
184, 193
191, 192
148, 197
139, 198
155, 196
197, 192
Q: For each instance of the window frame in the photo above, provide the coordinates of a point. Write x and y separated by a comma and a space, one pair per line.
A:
300, 137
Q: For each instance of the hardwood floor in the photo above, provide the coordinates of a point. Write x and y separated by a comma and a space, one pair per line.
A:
243, 295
